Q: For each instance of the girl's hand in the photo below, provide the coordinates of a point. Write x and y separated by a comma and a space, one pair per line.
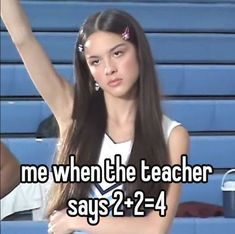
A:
61, 223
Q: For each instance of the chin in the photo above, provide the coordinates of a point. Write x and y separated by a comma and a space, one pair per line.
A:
122, 95
121, 92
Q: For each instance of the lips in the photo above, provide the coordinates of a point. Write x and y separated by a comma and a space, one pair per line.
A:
114, 82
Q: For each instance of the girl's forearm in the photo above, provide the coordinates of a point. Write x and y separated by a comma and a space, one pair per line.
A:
117, 225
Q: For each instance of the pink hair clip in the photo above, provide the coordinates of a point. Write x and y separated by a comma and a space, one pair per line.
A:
126, 34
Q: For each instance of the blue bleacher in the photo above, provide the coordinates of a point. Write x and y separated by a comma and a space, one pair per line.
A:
175, 80
193, 44
180, 226
212, 115
203, 150
162, 16
166, 47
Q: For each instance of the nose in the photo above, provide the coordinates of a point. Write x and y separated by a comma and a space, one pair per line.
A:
110, 68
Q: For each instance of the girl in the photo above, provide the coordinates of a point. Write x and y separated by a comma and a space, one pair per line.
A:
114, 108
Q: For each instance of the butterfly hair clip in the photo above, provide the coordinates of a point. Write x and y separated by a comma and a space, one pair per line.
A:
126, 34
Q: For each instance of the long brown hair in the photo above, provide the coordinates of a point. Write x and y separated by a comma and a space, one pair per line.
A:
84, 138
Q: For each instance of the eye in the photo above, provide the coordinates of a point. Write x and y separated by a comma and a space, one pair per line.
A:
95, 62
118, 53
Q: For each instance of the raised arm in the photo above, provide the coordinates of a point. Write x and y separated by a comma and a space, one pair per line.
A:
55, 90
9, 171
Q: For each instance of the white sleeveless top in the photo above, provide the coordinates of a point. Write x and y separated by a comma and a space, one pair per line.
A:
109, 149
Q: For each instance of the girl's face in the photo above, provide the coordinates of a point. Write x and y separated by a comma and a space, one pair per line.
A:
113, 63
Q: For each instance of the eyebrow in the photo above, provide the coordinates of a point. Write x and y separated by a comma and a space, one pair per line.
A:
111, 50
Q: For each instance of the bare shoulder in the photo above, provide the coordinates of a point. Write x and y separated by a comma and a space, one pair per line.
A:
179, 134
178, 143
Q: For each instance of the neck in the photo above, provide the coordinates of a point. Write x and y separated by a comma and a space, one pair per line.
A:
120, 111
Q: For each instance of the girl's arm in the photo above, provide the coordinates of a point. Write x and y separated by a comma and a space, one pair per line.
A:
9, 171
56, 91
60, 223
